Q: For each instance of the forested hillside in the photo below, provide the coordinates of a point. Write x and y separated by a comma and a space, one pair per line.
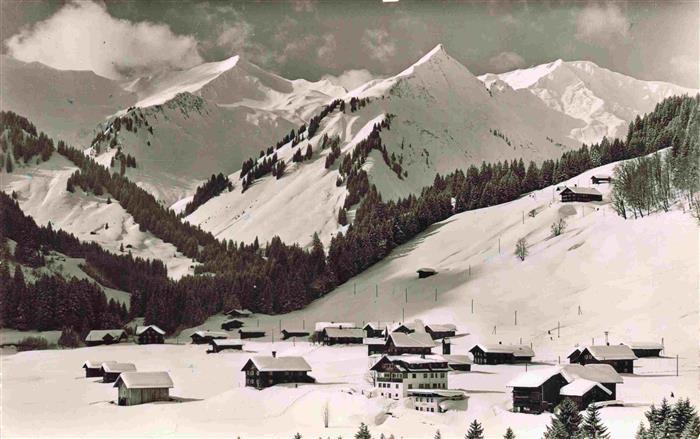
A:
276, 278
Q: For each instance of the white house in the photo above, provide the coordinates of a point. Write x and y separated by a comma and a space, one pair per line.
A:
438, 401
395, 376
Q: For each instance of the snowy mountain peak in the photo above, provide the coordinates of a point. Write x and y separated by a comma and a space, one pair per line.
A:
435, 57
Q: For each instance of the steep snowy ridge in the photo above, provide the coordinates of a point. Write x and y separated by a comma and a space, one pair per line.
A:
604, 100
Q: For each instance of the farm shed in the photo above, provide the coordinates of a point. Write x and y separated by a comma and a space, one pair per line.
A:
150, 334
264, 371
620, 357
94, 368
105, 336
218, 345
646, 349
112, 370
231, 324
583, 194
143, 387
501, 354
203, 337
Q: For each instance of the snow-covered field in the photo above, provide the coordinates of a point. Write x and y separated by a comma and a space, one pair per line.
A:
637, 279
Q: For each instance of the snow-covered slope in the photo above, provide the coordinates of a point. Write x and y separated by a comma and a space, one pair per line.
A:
65, 104
42, 194
645, 297
604, 100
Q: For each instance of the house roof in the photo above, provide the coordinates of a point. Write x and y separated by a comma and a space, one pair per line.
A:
245, 312
413, 340
145, 380
345, 332
99, 334
600, 176
250, 330
234, 321
227, 342
141, 329
534, 378
611, 352
457, 359
113, 366
645, 345
415, 362
416, 325
92, 364
580, 387
279, 364
516, 350
453, 394
443, 327
320, 326
373, 341
371, 325
427, 270
583, 190
295, 330
602, 373
210, 334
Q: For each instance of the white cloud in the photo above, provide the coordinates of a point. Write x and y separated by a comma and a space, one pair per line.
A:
351, 79
83, 36
378, 45
505, 61
328, 48
235, 36
602, 24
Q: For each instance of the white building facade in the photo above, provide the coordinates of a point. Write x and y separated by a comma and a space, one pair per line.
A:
395, 376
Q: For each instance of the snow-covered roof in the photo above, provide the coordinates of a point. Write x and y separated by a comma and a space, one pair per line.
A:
278, 364
602, 373
345, 332
243, 312
113, 366
373, 326
611, 352
227, 342
92, 364
413, 340
534, 378
250, 330
415, 362
141, 329
600, 176
99, 334
454, 394
583, 190
580, 387
145, 380
457, 359
645, 345
320, 326
210, 334
373, 341
516, 350
427, 270
442, 327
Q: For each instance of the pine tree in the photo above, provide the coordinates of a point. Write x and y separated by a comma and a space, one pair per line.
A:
592, 427
297, 436
521, 249
437, 435
642, 432
363, 432
682, 413
475, 431
509, 434
566, 422
692, 429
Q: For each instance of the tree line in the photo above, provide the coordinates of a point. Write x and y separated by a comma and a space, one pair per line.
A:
210, 189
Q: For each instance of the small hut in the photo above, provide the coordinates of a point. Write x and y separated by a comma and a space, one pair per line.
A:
112, 370
263, 371
501, 354
646, 349
438, 331
418, 343
143, 387
94, 368
222, 345
598, 179
458, 362
582, 194
288, 333
332, 336
425, 272
375, 345
150, 334
229, 325
251, 333
620, 357
204, 337
105, 336
373, 330
239, 313
583, 392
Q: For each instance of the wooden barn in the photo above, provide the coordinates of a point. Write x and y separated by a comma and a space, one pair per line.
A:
143, 387
373, 331
419, 343
583, 392
218, 345
425, 272
598, 179
620, 357
459, 362
408, 327
375, 345
239, 313
232, 324
438, 331
150, 334
333, 336
251, 333
94, 368
288, 333
646, 349
583, 194
204, 337
501, 354
537, 391
543, 389
111, 370
105, 336
263, 371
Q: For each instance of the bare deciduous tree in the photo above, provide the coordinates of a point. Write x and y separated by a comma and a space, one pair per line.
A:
521, 248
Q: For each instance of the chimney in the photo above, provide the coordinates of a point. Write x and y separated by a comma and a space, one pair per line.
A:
446, 346
422, 356
274, 354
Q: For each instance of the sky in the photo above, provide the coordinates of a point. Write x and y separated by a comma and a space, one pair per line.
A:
353, 41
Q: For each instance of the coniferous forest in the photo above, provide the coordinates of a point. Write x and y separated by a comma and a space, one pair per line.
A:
276, 277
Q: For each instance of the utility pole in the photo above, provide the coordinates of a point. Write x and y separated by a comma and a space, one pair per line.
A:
472, 306
303, 324
376, 290
406, 292
499, 245
354, 289
436, 294
523, 217
516, 317
470, 271
403, 314
558, 326
676, 364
